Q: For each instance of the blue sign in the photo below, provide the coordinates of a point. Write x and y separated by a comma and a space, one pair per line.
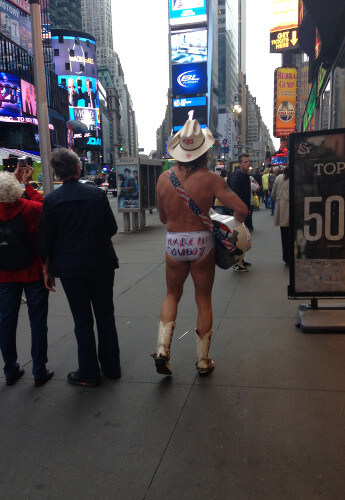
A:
187, 102
189, 78
187, 12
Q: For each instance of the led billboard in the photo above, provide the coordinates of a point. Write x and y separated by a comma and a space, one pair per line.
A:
181, 108
75, 65
28, 98
285, 90
283, 34
15, 25
188, 79
10, 96
189, 46
187, 12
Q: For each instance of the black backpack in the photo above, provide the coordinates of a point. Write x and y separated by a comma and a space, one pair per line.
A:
15, 247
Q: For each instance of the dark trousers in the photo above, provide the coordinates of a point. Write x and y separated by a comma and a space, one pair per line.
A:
84, 295
37, 301
284, 233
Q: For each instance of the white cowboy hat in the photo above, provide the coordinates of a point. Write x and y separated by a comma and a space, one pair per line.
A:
190, 142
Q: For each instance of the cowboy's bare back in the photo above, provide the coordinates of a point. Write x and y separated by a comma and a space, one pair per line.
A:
201, 185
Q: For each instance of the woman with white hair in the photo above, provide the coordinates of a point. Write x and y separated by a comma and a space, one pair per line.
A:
21, 270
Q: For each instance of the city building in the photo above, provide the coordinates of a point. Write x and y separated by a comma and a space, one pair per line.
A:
18, 111
97, 20
65, 14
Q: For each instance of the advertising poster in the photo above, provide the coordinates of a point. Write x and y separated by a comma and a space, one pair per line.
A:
183, 106
10, 96
187, 12
285, 91
15, 24
317, 206
189, 46
226, 131
285, 15
128, 187
28, 98
188, 79
75, 65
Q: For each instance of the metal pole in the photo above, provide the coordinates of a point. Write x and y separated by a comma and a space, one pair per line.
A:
41, 97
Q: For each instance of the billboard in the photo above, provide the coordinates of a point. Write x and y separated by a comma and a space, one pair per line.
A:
189, 46
317, 205
283, 34
10, 96
226, 131
28, 98
182, 108
128, 187
188, 79
15, 25
75, 65
187, 12
285, 93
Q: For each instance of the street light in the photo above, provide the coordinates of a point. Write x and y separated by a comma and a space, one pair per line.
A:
41, 96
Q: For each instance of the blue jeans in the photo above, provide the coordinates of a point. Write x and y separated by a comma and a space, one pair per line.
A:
37, 302
85, 294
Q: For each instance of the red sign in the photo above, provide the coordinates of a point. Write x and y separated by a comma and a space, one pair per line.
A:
21, 4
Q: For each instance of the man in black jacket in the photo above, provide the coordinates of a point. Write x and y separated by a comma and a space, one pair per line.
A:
239, 182
76, 228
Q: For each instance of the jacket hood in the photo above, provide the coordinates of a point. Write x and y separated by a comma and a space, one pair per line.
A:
10, 210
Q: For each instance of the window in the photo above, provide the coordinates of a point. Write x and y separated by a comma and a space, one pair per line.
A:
76, 41
68, 66
71, 52
82, 67
60, 39
56, 52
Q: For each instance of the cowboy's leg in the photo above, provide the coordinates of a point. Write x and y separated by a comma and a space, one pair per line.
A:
202, 272
176, 274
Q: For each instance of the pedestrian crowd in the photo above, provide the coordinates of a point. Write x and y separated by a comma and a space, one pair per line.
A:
58, 236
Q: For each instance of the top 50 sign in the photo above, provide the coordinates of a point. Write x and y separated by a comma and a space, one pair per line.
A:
187, 11
189, 79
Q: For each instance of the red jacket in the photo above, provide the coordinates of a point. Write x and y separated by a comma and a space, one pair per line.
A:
31, 210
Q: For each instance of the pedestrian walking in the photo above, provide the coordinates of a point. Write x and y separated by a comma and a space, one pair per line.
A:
21, 272
76, 228
240, 184
189, 244
280, 194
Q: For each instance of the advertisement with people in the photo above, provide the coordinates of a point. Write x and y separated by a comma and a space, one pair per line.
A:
128, 187
28, 98
317, 233
75, 65
15, 24
10, 96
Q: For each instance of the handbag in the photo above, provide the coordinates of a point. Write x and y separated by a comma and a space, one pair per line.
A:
226, 252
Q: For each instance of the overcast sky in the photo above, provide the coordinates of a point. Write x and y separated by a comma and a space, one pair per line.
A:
141, 39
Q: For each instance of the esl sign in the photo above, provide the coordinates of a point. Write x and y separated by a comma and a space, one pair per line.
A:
189, 79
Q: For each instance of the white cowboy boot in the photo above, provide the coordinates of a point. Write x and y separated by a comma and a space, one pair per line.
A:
162, 356
204, 363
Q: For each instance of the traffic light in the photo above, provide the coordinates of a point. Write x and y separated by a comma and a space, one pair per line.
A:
121, 147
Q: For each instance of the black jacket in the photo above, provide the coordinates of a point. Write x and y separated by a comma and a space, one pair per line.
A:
239, 182
75, 232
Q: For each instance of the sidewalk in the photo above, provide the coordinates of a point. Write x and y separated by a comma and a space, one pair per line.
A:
268, 423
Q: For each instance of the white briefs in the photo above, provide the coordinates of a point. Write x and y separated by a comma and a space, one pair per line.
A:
189, 246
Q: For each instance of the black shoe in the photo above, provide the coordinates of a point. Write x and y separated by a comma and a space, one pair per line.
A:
247, 264
113, 376
13, 380
42, 380
75, 380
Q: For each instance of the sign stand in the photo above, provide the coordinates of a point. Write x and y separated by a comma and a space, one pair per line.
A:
326, 318
317, 230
